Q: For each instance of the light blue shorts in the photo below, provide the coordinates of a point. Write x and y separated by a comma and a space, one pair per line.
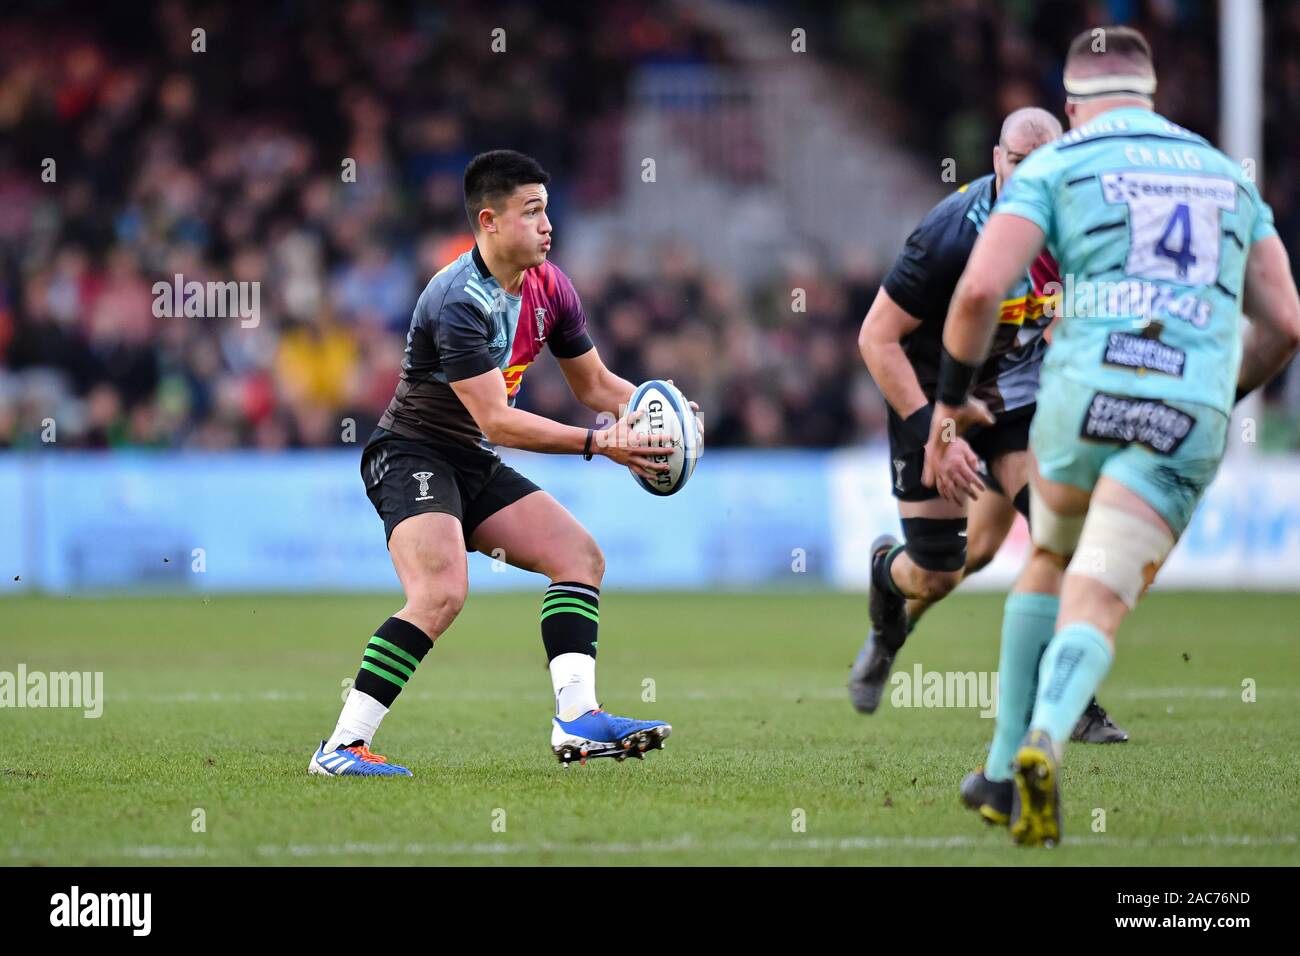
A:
1166, 452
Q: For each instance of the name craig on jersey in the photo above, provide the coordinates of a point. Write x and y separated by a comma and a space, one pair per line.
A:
1128, 298
1186, 158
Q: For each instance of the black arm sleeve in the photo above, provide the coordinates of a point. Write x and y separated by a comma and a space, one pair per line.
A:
579, 344
462, 333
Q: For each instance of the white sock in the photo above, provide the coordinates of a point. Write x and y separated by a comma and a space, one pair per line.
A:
358, 721
573, 676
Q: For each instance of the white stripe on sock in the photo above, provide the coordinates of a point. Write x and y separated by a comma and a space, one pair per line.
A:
575, 588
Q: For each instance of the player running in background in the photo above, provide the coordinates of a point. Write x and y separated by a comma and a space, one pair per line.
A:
441, 490
1164, 242
901, 342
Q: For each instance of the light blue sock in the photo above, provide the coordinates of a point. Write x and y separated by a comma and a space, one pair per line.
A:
1028, 622
1074, 665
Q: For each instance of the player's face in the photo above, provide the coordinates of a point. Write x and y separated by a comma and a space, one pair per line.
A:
524, 229
1007, 156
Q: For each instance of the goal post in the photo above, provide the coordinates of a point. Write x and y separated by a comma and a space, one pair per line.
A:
1241, 136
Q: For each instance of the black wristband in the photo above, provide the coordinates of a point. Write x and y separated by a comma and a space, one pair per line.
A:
955, 378
1242, 392
586, 449
917, 424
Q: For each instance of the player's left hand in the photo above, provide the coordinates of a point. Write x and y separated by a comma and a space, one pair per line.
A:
699, 422
949, 423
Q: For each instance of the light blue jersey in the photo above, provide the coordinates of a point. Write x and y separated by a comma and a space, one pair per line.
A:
1151, 226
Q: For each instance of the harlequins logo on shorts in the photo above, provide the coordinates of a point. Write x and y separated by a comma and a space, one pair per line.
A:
1146, 421
423, 478
899, 465
1143, 354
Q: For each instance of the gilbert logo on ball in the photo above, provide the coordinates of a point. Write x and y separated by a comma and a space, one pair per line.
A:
667, 412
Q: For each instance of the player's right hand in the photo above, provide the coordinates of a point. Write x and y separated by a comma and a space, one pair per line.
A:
946, 427
956, 472
638, 450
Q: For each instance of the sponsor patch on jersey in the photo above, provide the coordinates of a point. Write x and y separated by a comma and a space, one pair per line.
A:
1146, 421
514, 377
1144, 355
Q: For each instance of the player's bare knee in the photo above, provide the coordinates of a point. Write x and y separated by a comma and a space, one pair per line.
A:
435, 605
580, 560
439, 613
589, 562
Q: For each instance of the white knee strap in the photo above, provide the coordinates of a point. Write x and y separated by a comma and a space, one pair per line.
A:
1050, 531
1121, 550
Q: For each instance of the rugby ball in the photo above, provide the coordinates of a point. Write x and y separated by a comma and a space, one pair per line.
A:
667, 412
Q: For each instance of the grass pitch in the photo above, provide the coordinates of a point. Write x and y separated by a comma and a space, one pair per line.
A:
215, 704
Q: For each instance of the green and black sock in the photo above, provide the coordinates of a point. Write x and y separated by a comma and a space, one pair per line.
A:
390, 659
882, 564
570, 624
570, 619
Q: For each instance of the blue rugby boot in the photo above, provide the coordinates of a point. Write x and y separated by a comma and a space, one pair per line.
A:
598, 734
353, 761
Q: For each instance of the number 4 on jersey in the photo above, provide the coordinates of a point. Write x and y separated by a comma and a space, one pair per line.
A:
1174, 230
1183, 257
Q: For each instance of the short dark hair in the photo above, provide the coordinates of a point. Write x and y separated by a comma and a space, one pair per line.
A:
1120, 43
496, 174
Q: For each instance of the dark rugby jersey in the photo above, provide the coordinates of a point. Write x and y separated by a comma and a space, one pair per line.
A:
465, 324
922, 281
